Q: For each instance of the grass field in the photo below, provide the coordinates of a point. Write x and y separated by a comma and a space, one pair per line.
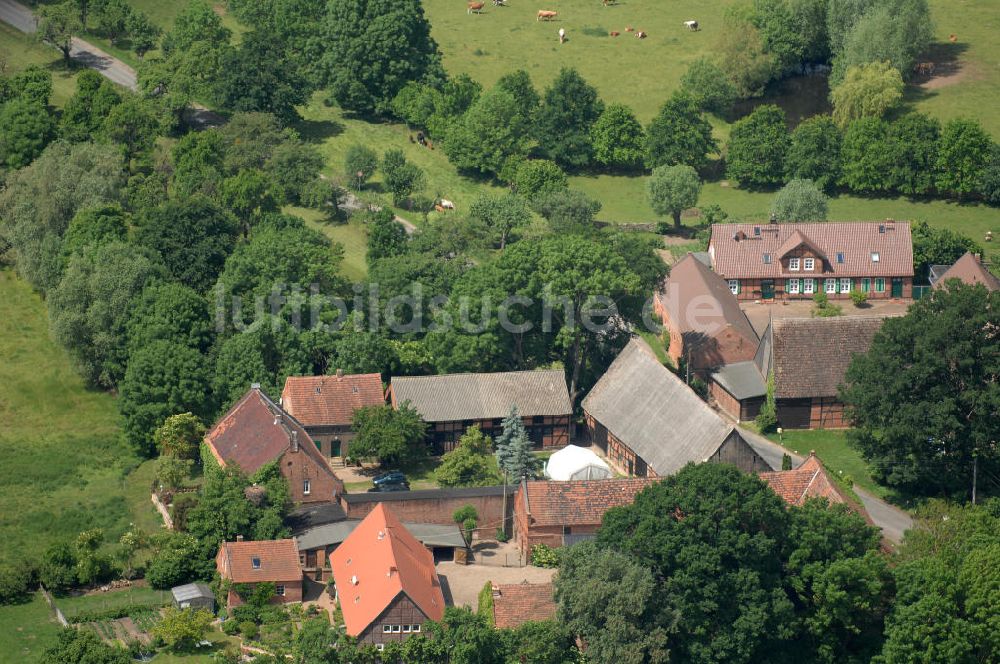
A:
20, 51
351, 235
72, 606
26, 630
65, 466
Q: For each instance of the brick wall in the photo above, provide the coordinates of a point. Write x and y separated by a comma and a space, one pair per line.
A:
297, 467
750, 289
437, 506
293, 593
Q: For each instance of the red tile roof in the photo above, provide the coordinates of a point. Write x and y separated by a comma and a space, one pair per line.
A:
970, 270
809, 480
256, 431
377, 562
279, 561
737, 252
517, 603
330, 400
579, 502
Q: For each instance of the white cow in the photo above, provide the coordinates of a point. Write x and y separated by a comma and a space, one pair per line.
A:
562, 35
691, 25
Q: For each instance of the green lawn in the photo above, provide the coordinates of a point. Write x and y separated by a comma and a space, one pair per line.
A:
836, 454
26, 630
19, 51
65, 465
71, 606
351, 235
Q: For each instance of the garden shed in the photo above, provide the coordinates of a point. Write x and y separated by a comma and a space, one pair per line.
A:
577, 463
193, 596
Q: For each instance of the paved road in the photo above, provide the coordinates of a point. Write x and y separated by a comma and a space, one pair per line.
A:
770, 451
83, 52
892, 520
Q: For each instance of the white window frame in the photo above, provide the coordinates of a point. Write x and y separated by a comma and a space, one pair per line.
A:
255, 562
380, 647
306, 487
793, 264
416, 628
734, 286
808, 286
386, 629
792, 286
845, 285
830, 286
407, 629
879, 284
876, 257
396, 629
809, 264
279, 590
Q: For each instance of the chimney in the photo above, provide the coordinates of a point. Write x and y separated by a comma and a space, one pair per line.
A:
239, 538
392, 568
295, 440
495, 589
340, 373
255, 386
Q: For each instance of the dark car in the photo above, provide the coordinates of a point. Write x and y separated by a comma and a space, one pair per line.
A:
385, 488
386, 479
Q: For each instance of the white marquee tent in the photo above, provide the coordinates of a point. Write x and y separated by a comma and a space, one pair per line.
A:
577, 463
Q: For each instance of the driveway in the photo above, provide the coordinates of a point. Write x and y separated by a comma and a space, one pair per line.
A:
892, 520
760, 313
461, 583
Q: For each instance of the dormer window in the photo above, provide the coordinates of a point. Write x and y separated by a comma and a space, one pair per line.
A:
255, 562
875, 257
756, 231
767, 259
793, 264
881, 228
809, 264
840, 257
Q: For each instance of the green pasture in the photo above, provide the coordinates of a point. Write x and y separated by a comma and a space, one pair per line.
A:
19, 51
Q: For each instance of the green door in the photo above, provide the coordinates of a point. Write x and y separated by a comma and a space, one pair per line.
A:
767, 289
897, 287
335, 447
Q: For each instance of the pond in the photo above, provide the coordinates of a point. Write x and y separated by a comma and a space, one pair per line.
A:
800, 97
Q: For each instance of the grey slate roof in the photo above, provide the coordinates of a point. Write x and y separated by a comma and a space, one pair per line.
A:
647, 407
741, 379
191, 591
428, 534
483, 396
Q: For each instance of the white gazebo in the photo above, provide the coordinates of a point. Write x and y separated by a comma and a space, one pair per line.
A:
577, 463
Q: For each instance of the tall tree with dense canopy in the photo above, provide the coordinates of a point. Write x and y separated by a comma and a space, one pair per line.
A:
255, 77
619, 140
196, 22
134, 124
401, 177
867, 157
502, 215
915, 138
814, 152
923, 399
800, 200
679, 134
392, 435
937, 246
470, 463
673, 189
179, 436
709, 86
266, 352
87, 110
745, 59
387, 237
489, 133
964, 151
58, 24
893, 31
375, 48
535, 177
170, 312
570, 107
25, 129
755, 155
868, 90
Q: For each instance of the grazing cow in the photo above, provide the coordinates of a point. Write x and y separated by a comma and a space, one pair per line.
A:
562, 35
614, 33
953, 38
476, 7
546, 14
629, 28
447, 205
691, 25
499, 3
640, 34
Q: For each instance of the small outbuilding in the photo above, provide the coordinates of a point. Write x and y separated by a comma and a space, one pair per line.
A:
577, 463
193, 596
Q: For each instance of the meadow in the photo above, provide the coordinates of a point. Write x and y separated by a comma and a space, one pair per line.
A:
19, 51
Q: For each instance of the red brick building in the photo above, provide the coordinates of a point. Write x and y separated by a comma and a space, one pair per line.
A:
386, 583
517, 603
703, 318
325, 405
563, 513
791, 261
257, 431
452, 403
649, 423
968, 269
275, 561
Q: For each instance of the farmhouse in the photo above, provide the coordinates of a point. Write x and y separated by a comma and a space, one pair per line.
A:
968, 269
274, 561
386, 583
650, 424
452, 403
706, 325
809, 358
325, 405
808, 481
317, 544
563, 513
257, 431
517, 603
795, 261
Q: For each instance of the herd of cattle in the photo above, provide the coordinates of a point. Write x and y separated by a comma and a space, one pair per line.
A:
476, 7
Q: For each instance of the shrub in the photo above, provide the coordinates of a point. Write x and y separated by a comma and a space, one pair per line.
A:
859, 298
821, 300
468, 528
501, 535
829, 311
249, 630
231, 627
767, 418
486, 602
543, 555
15, 579
464, 513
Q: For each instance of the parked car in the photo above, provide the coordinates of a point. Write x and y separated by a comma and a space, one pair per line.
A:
393, 477
385, 488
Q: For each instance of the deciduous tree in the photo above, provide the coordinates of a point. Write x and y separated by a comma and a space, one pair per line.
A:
470, 463
706, 83
800, 200
392, 435
868, 90
673, 189
360, 163
25, 129
535, 177
679, 134
964, 152
867, 156
179, 436
814, 152
570, 107
619, 140
181, 629
58, 24
502, 215
755, 155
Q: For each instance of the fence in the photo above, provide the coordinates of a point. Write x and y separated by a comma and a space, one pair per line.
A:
920, 291
52, 605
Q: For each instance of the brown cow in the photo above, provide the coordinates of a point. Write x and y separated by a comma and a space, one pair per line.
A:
476, 7
546, 14
629, 28
953, 38
614, 33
